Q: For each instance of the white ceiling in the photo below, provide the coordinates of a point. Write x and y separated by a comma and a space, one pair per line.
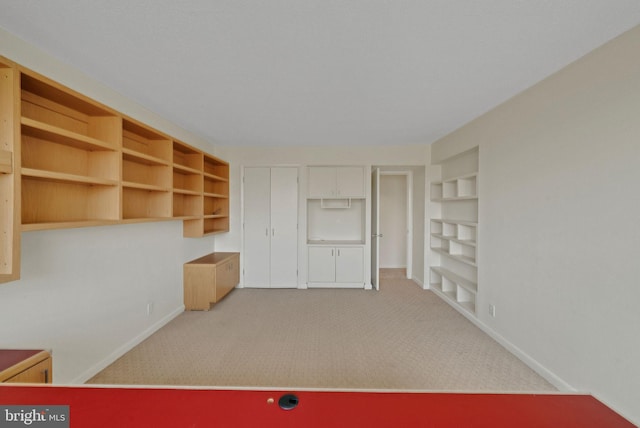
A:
290, 72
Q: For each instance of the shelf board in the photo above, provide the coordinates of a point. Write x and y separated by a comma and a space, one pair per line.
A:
215, 216
26, 227
451, 221
215, 177
458, 177
466, 242
214, 232
141, 186
143, 158
129, 220
458, 257
58, 135
216, 195
187, 192
468, 285
186, 170
67, 178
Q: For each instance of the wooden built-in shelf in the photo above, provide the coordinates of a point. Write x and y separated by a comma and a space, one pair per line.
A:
69, 161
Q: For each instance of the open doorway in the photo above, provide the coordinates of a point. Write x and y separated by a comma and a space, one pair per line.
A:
396, 222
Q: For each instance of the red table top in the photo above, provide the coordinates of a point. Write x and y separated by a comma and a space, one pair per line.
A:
175, 407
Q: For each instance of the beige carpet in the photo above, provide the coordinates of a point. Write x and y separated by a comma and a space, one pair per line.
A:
401, 337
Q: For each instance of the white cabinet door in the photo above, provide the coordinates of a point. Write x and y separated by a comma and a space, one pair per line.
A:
350, 182
322, 264
350, 265
322, 182
270, 250
257, 227
284, 227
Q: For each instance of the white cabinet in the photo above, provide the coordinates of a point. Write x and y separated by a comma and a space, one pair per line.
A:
270, 214
336, 182
336, 266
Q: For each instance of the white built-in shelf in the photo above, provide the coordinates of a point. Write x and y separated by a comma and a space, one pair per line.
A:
464, 187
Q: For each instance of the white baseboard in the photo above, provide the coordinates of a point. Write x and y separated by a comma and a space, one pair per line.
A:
531, 362
111, 358
418, 281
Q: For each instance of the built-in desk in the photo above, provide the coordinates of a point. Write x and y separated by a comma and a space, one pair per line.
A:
25, 366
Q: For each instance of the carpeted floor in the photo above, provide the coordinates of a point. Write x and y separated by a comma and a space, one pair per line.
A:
401, 337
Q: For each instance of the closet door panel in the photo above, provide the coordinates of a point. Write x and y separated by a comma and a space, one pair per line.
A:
257, 227
284, 227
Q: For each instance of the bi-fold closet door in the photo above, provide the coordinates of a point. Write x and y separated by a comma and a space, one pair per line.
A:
270, 227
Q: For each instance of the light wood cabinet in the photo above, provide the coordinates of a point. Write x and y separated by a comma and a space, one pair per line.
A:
69, 161
209, 278
25, 366
326, 182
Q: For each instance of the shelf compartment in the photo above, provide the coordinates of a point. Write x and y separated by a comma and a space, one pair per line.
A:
147, 174
52, 104
62, 199
187, 205
214, 187
454, 287
150, 145
215, 168
215, 225
186, 158
215, 206
464, 187
187, 181
97, 162
459, 257
43, 131
140, 203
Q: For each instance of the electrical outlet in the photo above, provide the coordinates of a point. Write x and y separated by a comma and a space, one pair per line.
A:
149, 308
492, 310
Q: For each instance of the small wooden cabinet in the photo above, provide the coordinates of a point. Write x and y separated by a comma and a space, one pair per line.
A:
210, 278
25, 366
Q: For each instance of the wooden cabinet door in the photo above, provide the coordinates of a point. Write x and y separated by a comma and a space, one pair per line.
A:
322, 264
350, 182
322, 182
349, 265
227, 277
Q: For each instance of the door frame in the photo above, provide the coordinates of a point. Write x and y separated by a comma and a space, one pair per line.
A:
409, 214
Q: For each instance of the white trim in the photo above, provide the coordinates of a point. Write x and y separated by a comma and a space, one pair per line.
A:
126, 347
531, 362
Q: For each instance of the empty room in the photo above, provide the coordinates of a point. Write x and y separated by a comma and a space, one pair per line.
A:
420, 196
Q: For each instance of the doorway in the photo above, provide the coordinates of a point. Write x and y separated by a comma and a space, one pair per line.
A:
395, 218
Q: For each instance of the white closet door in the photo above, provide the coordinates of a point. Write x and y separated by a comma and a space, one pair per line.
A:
257, 227
349, 265
284, 227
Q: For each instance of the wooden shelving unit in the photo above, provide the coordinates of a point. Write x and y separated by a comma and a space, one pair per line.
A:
146, 173
69, 161
70, 157
9, 172
454, 231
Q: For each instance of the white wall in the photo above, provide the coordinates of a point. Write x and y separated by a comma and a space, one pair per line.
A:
84, 292
559, 228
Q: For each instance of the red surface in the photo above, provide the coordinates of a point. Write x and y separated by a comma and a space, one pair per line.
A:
145, 407
11, 357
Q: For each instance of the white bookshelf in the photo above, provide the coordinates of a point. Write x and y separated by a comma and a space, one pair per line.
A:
454, 231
